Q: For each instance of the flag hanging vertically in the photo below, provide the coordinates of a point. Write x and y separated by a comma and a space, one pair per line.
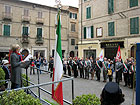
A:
57, 92
118, 55
101, 56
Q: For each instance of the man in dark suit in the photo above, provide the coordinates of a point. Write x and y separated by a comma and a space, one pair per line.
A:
98, 67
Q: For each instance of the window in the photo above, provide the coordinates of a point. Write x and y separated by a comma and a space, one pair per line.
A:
133, 3
39, 32
134, 25
25, 30
85, 0
26, 12
88, 12
111, 29
40, 14
73, 27
99, 32
110, 6
72, 41
6, 30
88, 32
7, 9
73, 15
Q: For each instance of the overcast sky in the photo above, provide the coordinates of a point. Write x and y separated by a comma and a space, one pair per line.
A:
52, 2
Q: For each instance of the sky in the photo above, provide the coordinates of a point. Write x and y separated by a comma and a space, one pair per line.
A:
52, 2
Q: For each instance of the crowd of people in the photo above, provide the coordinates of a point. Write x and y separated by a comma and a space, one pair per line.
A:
110, 69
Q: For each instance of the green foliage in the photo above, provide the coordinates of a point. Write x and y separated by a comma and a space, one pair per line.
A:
24, 83
89, 99
18, 98
2, 76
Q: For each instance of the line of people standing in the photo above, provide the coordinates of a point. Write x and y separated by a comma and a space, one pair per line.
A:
108, 67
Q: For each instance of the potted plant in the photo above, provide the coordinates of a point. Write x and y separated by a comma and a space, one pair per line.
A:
18, 98
89, 99
2, 77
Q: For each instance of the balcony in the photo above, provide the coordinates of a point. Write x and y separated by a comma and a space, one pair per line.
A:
25, 39
39, 40
26, 19
7, 16
40, 21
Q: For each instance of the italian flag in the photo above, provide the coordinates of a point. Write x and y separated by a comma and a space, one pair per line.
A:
57, 93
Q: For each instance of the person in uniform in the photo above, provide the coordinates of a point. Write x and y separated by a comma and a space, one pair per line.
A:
131, 74
105, 65
110, 70
125, 72
51, 62
81, 67
98, 68
74, 67
86, 65
119, 68
65, 65
69, 66
92, 68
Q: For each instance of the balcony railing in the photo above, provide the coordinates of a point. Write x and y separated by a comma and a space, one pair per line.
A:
7, 16
26, 18
39, 20
39, 40
25, 39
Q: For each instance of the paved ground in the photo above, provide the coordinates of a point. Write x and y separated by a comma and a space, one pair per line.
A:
81, 86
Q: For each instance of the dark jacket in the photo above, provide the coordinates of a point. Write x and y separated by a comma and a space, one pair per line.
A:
15, 68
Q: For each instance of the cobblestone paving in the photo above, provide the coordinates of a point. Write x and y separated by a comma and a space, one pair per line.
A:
81, 86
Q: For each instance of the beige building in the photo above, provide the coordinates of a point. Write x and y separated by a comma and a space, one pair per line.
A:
73, 30
33, 27
106, 24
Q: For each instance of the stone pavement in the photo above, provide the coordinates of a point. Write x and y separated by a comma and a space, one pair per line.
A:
81, 86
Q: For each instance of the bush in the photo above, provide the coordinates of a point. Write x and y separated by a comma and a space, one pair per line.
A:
89, 99
24, 83
2, 76
18, 98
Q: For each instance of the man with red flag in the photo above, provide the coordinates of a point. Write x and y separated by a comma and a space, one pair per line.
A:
118, 55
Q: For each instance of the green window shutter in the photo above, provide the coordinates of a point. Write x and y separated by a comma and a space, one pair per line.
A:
133, 3
84, 32
6, 30
39, 32
70, 15
25, 31
75, 16
134, 25
137, 25
92, 31
110, 6
87, 13
111, 29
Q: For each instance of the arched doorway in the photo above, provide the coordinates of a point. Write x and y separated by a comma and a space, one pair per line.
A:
72, 54
132, 51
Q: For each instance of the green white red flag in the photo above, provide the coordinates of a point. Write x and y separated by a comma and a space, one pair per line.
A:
57, 89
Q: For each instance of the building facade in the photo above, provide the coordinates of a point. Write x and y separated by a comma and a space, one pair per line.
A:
73, 30
33, 27
106, 24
